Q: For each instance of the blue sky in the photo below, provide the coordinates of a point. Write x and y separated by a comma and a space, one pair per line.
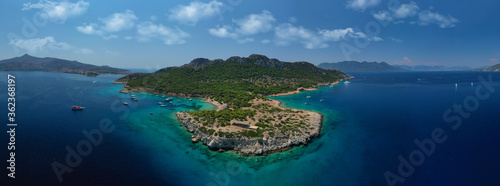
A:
156, 34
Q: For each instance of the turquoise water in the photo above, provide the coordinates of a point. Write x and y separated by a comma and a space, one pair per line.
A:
367, 125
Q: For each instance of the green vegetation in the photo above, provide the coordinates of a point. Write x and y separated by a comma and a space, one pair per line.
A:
237, 80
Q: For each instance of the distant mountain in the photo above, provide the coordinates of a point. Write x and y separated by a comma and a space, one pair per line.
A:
354, 66
31, 63
433, 68
494, 68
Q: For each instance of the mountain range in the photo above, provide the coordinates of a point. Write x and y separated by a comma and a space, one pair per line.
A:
31, 63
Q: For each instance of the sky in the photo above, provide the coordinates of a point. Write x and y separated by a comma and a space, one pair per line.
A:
157, 34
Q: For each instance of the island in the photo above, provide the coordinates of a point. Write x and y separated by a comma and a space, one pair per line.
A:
31, 63
355, 66
246, 120
494, 68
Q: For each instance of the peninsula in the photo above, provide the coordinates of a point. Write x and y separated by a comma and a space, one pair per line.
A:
31, 63
246, 121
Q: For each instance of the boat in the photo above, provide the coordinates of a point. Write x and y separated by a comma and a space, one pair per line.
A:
171, 102
163, 96
190, 99
347, 82
125, 103
471, 83
456, 84
169, 99
94, 81
321, 100
308, 97
305, 103
135, 99
179, 101
75, 108
160, 103
151, 113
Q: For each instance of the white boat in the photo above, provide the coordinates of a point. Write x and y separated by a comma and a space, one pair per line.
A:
190, 99
163, 96
179, 101
160, 103
125, 103
321, 100
169, 99
347, 82
305, 103
471, 83
94, 81
308, 97
456, 84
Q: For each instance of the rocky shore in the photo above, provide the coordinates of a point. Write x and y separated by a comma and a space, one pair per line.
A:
251, 146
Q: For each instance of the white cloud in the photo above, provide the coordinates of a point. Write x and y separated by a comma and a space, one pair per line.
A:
255, 23
395, 14
128, 38
362, 5
223, 32
118, 21
89, 29
265, 41
39, 44
287, 33
170, 36
395, 39
427, 17
113, 23
405, 10
195, 11
383, 15
58, 12
36, 45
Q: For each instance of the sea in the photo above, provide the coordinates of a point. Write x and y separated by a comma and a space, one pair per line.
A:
382, 128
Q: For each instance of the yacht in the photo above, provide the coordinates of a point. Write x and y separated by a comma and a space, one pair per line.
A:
125, 103
75, 108
347, 82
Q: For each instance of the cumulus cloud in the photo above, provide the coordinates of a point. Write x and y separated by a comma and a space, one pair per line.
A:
396, 14
223, 32
249, 25
58, 12
255, 23
494, 60
170, 36
383, 16
411, 9
113, 23
362, 5
118, 21
443, 21
36, 45
195, 11
405, 10
287, 33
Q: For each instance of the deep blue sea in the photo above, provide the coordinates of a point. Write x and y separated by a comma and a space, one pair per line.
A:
368, 124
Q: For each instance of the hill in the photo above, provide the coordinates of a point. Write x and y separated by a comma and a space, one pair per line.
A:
234, 81
31, 63
355, 66
494, 68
